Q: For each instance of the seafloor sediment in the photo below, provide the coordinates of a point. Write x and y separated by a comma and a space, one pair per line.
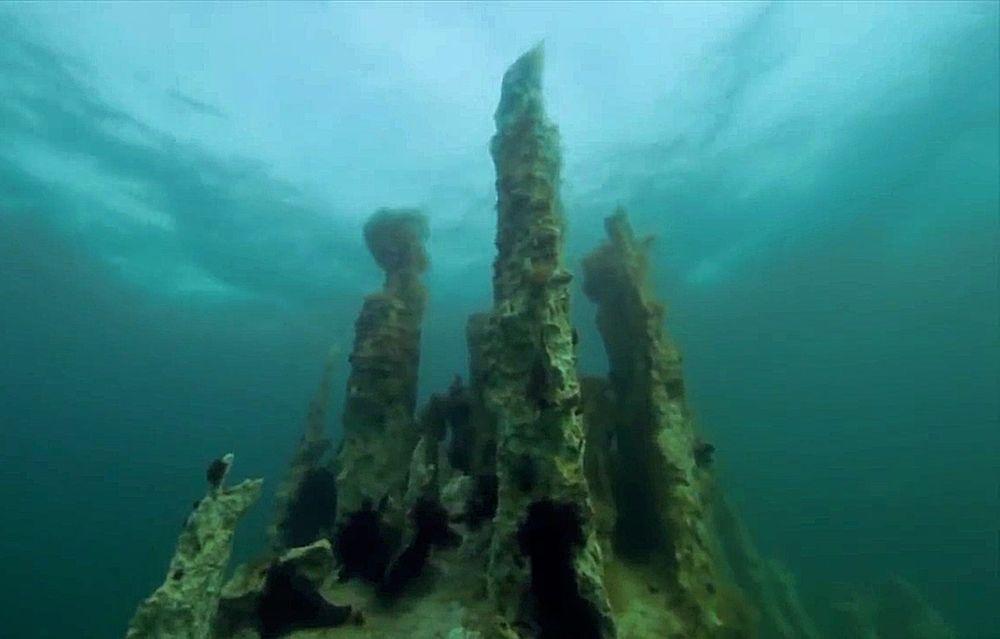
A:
525, 504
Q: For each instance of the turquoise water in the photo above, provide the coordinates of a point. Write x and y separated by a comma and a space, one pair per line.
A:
182, 191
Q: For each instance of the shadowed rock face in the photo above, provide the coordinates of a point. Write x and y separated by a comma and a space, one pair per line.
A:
306, 501
525, 505
530, 384
379, 429
184, 606
659, 489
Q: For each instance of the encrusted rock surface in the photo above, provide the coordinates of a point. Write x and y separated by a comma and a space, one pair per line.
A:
306, 501
659, 490
379, 427
184, 606
545, 574
528, 504
276, 598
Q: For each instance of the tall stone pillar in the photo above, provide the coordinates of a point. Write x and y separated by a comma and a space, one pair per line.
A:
379, 429
663, 516
545, 562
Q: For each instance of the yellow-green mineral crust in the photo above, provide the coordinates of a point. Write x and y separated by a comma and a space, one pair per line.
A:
184, 606
378, 425
545, 564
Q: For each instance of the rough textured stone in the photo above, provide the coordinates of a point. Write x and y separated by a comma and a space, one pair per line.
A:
545, 561
662, 518
378, 424
185, 605
301, 572
484, 444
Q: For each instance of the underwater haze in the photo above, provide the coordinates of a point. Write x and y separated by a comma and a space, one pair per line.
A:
183, 188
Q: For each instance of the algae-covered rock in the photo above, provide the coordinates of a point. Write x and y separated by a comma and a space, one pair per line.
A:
658, 487
545, 571
278, 597
185, 605
378, 425
306, 501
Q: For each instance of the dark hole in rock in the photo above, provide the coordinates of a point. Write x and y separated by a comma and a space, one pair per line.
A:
434, 417
312, 511
363, 547
550, 537
430, 520
488, 453
525, 474
537, 388
447, 418
290, 602
462, 436
482, 504
639, 528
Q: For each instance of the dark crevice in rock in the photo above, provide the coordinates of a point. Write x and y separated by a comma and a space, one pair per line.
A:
430, 520
363, 546
290, 602
550, 537
312, 511
482, 504
524, 473
641, 530
704, 453
537, 387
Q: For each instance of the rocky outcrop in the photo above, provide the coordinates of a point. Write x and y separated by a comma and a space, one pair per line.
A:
658, 484
545, 562
275, 598
378, 425
184, 606
306, 501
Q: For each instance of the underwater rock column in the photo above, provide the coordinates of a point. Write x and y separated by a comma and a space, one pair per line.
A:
184, 606
379, 429
306, 501
662, 514
545, 563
